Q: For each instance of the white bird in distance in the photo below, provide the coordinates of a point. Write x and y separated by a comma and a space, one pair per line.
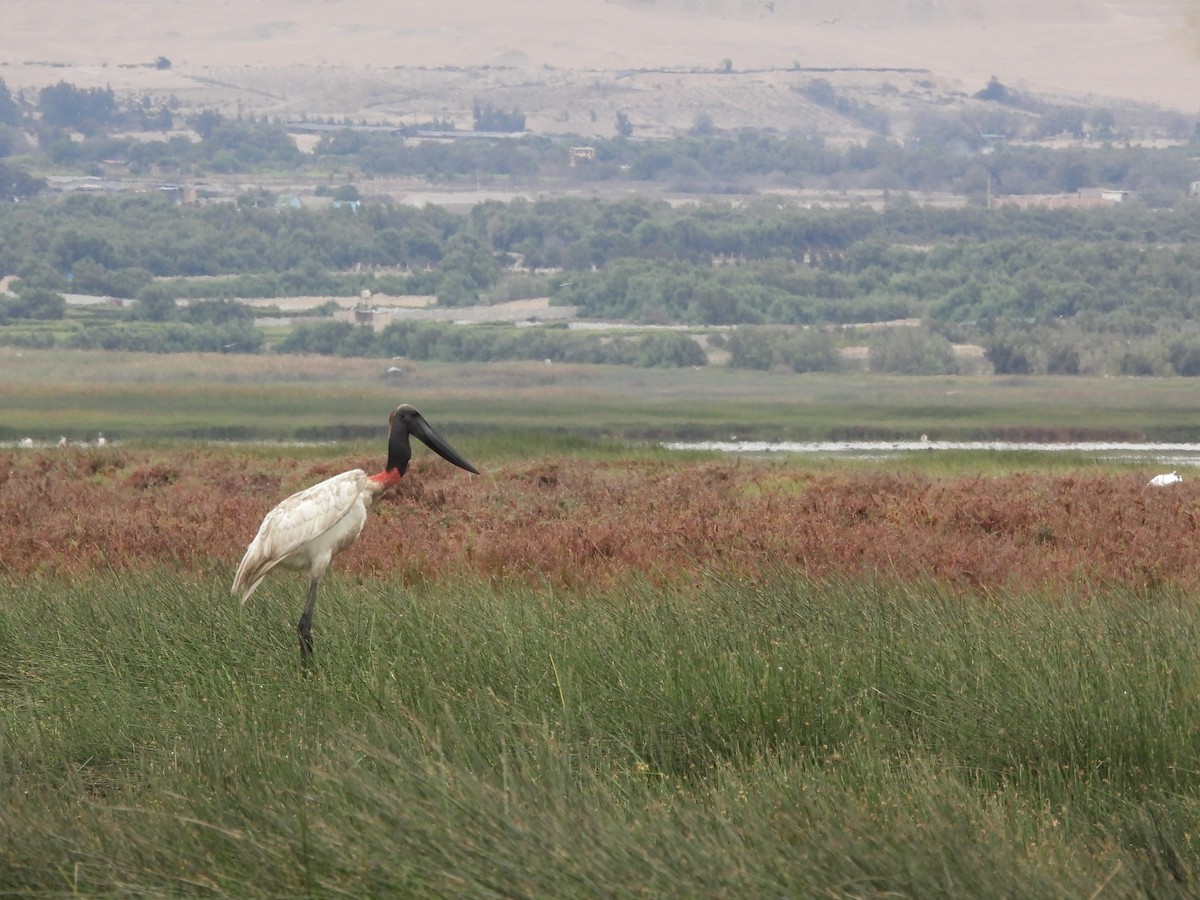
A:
1164, 480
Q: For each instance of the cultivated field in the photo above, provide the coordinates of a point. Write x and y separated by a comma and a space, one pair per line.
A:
597, 669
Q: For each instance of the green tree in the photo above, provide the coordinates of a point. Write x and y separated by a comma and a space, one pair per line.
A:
18, 184
1009, 353
487, 118
669, 350
10, 112
205, 122
911, 351
752, 348
213, 312
702, 125
809, 350
35, 303
1184, 355
86, 109
456, 288
154, 303
324, 338
995, 92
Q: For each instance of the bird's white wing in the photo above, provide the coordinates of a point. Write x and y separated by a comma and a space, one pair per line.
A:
297, 520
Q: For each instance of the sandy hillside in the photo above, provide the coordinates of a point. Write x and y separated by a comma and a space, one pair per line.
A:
378, 59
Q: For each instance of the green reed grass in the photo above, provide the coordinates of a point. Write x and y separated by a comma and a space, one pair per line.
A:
140, 396
732, 739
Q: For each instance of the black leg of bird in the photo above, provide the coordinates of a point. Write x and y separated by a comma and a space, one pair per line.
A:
306, 641
304, 626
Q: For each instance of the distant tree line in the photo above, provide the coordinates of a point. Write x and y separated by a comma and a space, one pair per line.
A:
455, 343
167, 337
1042, 290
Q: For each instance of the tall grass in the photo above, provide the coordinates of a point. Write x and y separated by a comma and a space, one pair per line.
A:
766, 738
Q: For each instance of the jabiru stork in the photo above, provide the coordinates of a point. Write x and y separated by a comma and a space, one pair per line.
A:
309, 528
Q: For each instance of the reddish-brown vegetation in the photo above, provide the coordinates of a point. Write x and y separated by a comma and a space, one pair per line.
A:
572, 522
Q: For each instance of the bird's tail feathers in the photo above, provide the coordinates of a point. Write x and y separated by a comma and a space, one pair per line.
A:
248, 578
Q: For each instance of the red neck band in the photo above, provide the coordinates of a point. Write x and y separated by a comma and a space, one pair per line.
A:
389, 478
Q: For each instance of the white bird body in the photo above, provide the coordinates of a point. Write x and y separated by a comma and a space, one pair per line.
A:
308, 529
1164, 480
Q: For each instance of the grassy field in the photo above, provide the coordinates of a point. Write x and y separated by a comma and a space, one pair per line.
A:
777, 738
598, 669
45, 394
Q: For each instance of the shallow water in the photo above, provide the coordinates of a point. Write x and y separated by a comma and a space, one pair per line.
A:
1160, 453
1163, 454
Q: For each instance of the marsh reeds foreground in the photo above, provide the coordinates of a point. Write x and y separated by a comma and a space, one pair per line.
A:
602, 678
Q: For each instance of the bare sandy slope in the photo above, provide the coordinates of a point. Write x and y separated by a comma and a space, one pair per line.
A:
387, 58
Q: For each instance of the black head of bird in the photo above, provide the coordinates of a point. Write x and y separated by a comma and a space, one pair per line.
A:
405, 421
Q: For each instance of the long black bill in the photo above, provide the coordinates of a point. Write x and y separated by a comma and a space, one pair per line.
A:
405, 421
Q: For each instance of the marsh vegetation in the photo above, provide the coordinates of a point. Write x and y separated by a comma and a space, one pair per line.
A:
599, 668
